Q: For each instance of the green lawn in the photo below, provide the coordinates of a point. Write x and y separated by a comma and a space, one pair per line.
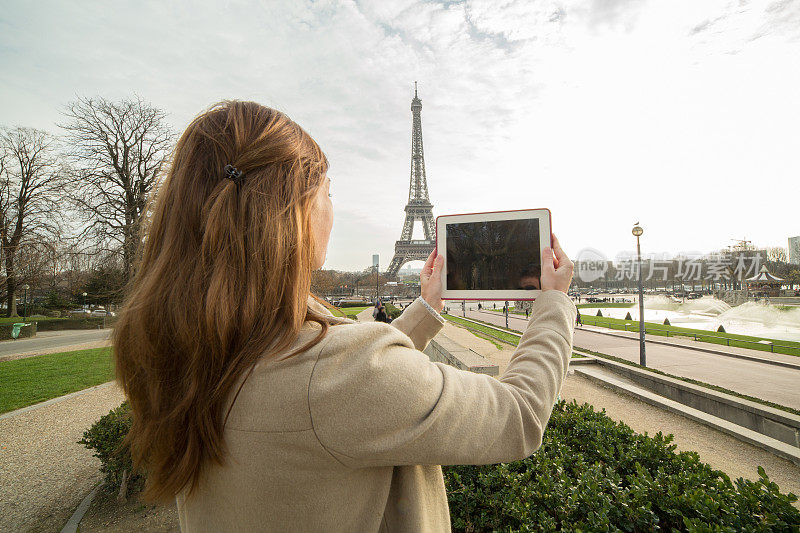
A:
510, 338
36, 379
598, 304
354, 310
479, 331
701, 335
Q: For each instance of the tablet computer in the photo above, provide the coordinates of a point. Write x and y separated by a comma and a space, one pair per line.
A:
495, 255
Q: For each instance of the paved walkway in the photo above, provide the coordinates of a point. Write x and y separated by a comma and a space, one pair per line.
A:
44, 472
54, 341
769, 382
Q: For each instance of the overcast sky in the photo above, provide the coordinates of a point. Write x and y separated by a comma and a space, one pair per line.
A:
683, 115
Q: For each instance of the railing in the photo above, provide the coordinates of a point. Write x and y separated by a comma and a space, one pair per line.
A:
761, 345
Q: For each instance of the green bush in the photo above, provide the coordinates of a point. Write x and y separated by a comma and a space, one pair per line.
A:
593, 474
721, 329
599, 313
666, 322
353, 304
392, 311
628, 316
75, 323
105, 438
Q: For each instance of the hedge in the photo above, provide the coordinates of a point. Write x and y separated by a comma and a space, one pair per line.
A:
25, 331
594, 474
392, 311
75, 323
591, 474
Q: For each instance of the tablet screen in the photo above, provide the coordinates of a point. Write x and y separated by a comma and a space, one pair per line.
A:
493, 255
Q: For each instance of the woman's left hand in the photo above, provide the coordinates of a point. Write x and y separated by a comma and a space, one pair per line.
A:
430, 280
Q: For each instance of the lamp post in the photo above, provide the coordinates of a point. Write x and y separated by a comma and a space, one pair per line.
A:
375, 262
25, 301
637, 231
84, 300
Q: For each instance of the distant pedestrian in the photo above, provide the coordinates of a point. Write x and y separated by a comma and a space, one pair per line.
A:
375, 309
526, 313
479, 306
578, 321
381, 315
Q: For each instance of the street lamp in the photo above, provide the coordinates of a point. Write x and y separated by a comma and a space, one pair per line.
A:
84, 300
25, 301
637, 231
375, 263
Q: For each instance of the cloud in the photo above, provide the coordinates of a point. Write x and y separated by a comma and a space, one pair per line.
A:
602, 111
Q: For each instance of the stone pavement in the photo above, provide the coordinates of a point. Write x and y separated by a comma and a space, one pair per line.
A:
761, 380
44, 472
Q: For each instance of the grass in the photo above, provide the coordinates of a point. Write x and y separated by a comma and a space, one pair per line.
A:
36, 379
354, 310
599, 304
701, 335
505, 337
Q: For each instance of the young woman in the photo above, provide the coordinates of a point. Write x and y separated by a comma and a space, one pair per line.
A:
258, 410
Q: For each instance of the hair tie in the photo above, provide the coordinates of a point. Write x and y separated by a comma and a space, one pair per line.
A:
236, 176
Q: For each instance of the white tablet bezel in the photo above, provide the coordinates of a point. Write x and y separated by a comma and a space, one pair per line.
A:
544, 217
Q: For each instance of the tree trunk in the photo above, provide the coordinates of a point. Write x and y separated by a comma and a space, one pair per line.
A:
11, 286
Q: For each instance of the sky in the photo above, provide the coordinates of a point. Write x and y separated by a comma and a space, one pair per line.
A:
683, 115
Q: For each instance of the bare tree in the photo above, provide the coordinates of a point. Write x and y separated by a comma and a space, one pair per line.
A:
31, 186
118, 150
776, 254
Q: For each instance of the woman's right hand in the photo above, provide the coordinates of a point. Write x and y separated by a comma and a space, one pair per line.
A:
556, 272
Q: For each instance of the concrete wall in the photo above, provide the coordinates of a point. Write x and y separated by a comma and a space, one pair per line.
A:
775, 423
442, 349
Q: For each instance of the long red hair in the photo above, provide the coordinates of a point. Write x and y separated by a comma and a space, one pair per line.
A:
223, 279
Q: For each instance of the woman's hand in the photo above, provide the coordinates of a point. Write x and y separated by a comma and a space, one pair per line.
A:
556, 272
430, 280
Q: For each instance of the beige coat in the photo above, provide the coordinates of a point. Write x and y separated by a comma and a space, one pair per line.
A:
349, 436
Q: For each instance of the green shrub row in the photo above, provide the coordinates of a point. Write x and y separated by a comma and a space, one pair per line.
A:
353, 304
74, 323
25, 331
591, 474
594, 474
392, 311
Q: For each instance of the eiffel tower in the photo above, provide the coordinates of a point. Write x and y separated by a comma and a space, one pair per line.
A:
419, 205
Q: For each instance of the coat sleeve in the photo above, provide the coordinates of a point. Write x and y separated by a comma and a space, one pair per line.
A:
419, 323
375, 400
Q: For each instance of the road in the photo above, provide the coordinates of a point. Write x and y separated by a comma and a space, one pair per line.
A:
761, 380
49, 341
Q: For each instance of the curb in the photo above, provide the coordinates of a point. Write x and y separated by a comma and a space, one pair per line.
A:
74, 521
743, 434
51, 401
